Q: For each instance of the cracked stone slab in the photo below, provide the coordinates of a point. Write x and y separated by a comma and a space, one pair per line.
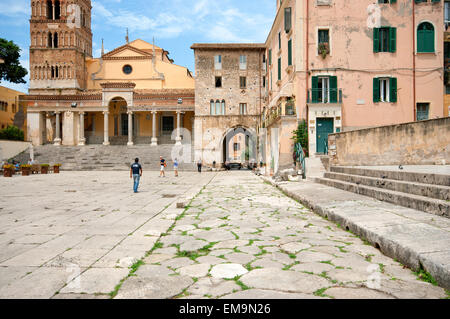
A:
316, 268
228, 271
213, 286
288, 281
177, 262
211, 260
310, 256
157, 258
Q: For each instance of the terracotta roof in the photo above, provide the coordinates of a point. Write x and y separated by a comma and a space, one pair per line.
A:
175, 93
229, 46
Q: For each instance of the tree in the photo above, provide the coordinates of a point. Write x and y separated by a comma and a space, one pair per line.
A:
301, 136
10, 69
12, 133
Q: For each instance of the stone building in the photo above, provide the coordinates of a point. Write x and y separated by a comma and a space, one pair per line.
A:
346, 65
133, 94
228, 101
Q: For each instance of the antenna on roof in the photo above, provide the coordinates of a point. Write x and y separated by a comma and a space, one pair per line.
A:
103, 48
127, 38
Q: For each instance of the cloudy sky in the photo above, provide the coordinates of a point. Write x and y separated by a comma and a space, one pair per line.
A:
175, 24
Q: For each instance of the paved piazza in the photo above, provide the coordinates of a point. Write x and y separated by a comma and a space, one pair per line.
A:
86, 235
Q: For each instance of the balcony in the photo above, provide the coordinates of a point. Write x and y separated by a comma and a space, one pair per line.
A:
324, 96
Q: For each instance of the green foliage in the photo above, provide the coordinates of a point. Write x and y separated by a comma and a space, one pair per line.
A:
11, 70
301, 136
12, 133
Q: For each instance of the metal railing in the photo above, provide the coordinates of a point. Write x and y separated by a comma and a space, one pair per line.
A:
300, 157
325, 96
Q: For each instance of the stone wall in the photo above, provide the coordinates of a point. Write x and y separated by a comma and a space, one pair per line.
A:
418, 143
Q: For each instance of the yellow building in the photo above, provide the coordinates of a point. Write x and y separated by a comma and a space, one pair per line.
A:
9, 107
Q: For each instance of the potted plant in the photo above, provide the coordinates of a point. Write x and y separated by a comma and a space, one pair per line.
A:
44, 168
8, 170
56, 168
26, 170
324, 50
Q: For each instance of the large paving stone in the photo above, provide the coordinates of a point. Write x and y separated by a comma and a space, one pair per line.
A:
155, 287
268, 294
192, 245
310, 256
294, 248
316, 268
287, 281
197, 270
213, 287
176, 263
356, 293
240, 258
228, 271
96, 280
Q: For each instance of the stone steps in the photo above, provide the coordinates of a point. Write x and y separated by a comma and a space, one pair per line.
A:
417, 202
421, 189
100, 157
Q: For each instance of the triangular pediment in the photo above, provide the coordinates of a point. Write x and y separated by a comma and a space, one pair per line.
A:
126, 51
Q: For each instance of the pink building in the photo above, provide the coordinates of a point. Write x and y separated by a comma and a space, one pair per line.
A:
349, 65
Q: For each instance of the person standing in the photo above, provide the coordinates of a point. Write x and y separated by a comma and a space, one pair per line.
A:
199, 165
175, 167
163, 166
136, 174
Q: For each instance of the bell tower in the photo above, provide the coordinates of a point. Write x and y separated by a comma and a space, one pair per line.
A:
61, 40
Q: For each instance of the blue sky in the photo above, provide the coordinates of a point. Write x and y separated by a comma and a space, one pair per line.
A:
175, 24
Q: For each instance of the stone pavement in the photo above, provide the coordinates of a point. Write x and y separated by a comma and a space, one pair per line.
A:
75, 234
242, 238
85, 235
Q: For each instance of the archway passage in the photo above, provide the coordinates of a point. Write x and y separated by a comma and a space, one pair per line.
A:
118, 125
239, 149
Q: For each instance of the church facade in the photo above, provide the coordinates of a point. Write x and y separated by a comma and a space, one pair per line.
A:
133, 94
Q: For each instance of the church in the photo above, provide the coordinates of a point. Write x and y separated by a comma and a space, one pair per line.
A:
132, 94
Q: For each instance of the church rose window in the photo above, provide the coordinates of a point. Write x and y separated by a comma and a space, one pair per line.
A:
127, 69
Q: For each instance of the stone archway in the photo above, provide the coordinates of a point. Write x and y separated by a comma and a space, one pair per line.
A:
239, 145
118, 124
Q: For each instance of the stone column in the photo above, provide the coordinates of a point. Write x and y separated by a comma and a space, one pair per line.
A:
106, 128
81, 139
178, 138
54, 10
130, 128
57, 140
154, 138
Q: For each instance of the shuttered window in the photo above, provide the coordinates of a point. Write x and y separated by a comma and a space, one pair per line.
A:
385, 90
425, 38
290, 52
279, 69
384, 39
287, 19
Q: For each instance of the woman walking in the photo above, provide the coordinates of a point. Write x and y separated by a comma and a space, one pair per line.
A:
175, 167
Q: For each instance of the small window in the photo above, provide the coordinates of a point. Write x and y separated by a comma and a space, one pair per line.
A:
218, 62
423, 110
243, 82
243, 62
384, 39
212, 107
127, 69
218, 81
385, 90
243, 108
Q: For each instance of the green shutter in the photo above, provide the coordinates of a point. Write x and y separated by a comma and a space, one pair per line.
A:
333, 89
290, 52
393, 90
376, 90
392, 39
315, 89
279, 69
393, 1
376, 40
270, 57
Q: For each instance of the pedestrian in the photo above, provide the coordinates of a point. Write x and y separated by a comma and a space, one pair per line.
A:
199, 165
136, 174
162, 161
175, 167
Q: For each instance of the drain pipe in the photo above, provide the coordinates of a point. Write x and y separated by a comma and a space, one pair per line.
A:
307, 66
414, 58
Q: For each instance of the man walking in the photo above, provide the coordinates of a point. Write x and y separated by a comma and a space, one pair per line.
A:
136, 174
163, 166
199, 165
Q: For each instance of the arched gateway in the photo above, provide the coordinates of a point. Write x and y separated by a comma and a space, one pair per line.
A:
239, 146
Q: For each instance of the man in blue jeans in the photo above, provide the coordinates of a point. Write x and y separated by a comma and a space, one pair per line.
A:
136, 174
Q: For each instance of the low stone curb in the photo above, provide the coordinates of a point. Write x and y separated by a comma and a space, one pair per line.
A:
413, 243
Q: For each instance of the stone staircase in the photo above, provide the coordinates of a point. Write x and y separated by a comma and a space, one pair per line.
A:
425, 192
105, 158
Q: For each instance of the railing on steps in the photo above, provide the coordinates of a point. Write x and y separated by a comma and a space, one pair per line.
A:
300, 158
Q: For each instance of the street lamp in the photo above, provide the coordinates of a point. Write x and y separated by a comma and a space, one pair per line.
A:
74, 105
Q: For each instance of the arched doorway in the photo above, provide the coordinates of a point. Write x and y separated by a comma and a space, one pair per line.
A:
239, 147
118, 121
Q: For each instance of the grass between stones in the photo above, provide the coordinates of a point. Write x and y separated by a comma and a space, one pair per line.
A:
193, 255
425, 276
321, 293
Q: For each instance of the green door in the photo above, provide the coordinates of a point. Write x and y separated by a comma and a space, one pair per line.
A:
325, 126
